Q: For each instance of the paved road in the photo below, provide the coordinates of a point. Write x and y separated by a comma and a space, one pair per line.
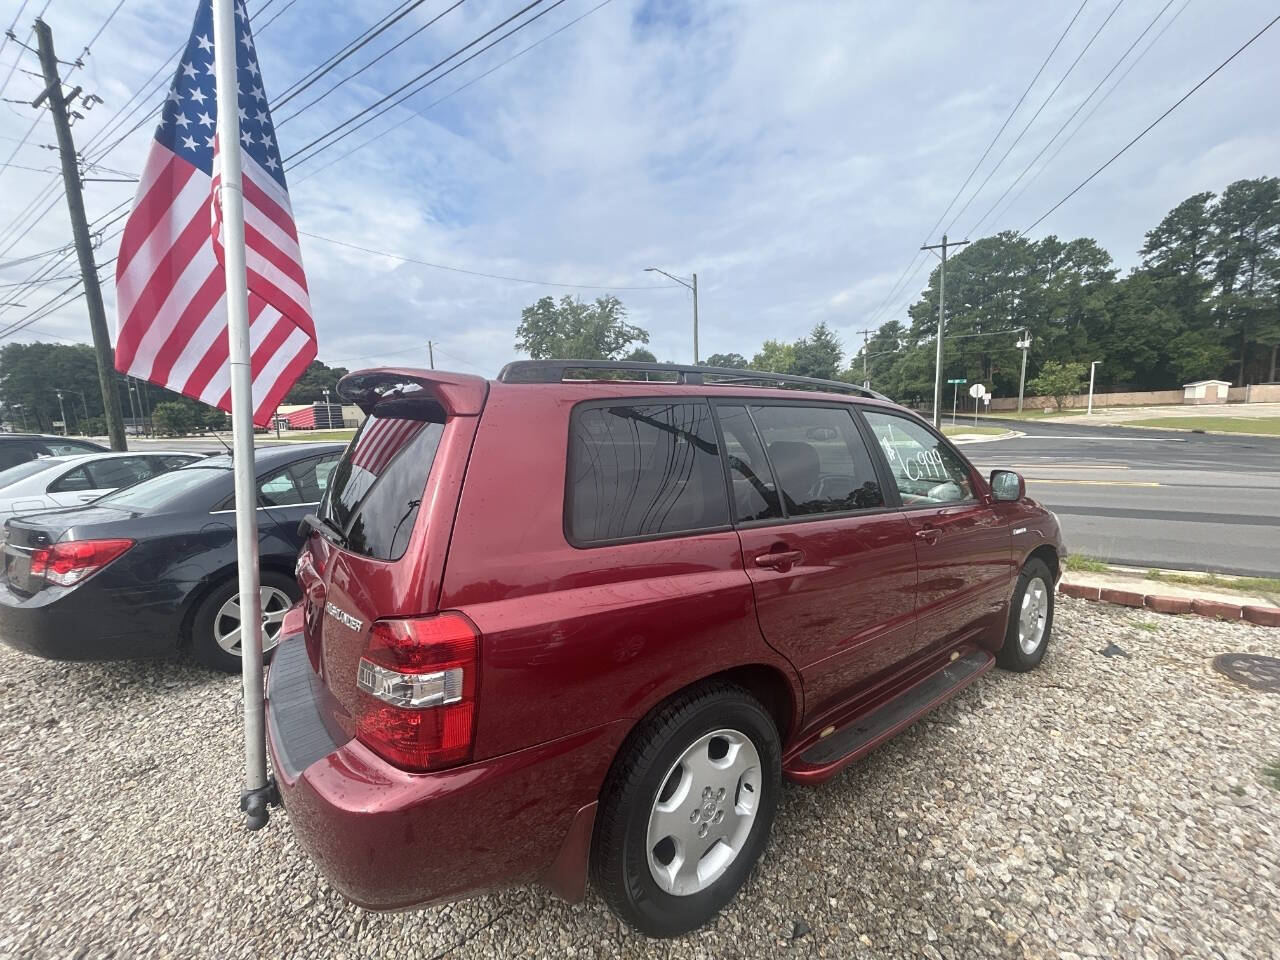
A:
1153, 498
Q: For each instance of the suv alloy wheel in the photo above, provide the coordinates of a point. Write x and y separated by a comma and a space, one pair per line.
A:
687, 808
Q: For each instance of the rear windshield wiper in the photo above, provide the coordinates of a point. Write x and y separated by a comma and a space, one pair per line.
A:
312, 522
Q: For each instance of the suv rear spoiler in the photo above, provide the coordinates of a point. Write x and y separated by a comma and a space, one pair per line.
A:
460, 394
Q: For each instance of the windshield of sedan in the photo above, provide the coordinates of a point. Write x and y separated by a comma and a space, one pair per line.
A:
159, 492
29, 469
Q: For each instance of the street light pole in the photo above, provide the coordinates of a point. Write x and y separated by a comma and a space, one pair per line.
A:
942, 318
1093, 366
688, 285
1024, 343
62, 413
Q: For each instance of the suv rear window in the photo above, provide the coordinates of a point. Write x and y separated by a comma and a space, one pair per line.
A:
375, 489
643, 470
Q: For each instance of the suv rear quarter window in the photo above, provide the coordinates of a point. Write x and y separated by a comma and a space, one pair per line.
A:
643, 469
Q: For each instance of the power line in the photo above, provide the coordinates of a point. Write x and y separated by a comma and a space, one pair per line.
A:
352, 76
1035, 115
318, 71
1179, 102
411, 82
1094, 109
421, 111
477, 273
919, 255
1075, 113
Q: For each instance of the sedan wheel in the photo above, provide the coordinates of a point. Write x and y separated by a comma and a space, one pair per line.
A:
226, 623
216, 622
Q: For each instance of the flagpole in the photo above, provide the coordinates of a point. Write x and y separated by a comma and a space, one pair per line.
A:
255, 797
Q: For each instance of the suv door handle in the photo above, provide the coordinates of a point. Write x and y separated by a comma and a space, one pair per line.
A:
780, 560
928, 534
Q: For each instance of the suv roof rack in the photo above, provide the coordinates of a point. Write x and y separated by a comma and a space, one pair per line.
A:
554, 371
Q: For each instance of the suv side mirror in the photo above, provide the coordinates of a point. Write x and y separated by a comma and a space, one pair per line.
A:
1007, 485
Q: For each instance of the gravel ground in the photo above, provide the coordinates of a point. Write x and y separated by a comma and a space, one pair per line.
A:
1100, 807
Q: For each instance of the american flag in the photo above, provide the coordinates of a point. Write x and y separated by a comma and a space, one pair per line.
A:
170, 292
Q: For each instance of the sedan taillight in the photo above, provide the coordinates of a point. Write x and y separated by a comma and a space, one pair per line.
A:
419, 679
66, 564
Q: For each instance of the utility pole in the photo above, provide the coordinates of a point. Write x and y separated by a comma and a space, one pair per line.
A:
431, 354
866, 345
695, 319
62, 413
80, 233
1024, 344
1092, 367
942, 319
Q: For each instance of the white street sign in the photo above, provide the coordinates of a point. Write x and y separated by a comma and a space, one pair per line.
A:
977, 390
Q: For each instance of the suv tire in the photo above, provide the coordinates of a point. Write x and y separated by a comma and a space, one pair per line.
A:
704, 770
211, 620
1030, 619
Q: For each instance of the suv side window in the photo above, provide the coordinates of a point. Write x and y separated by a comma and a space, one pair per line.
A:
14, 452
754, 495
643, 470
924, 468
819, 458
69, 448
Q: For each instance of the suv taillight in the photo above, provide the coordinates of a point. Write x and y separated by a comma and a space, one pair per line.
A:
66, 564
419, 678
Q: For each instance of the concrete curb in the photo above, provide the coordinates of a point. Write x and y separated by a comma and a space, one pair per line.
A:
1214, 609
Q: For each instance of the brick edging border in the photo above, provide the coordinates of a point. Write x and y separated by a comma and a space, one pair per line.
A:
1216, 609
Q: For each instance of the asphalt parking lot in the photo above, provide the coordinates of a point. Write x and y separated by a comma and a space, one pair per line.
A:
1102, 806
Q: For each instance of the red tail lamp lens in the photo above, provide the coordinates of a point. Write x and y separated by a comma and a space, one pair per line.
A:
418, 680
66, 564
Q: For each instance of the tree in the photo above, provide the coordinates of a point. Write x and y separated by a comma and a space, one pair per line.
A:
172, 419
641, 355
819, 354
775, 356
314, 381
735, 361
573, 330
1058, 380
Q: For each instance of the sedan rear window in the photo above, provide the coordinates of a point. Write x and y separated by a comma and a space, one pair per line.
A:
375, 489
157, 493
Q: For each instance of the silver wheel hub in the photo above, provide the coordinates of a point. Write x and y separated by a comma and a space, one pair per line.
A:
226, 623
1033, 616
703, 812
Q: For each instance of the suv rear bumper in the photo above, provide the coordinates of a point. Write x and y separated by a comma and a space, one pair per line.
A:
391, 840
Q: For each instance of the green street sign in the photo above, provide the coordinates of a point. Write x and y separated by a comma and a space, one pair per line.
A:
958, 381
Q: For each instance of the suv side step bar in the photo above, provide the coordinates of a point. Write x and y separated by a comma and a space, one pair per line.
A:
823, 759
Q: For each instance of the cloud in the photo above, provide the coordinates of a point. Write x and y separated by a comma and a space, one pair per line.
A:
793, 155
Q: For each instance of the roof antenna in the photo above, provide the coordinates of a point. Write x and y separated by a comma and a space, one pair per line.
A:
218, 437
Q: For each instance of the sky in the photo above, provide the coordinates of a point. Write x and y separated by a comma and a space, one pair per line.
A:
794, 155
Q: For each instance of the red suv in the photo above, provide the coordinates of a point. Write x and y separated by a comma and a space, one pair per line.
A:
584, 618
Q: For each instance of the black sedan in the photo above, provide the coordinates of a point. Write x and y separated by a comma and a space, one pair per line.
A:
152, 567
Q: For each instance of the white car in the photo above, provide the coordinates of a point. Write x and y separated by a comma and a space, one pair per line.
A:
53, 482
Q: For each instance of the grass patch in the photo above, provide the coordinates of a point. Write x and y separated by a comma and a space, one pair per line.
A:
1271, 774
1079, 563
1247, 584
960, 429
1037, 414
1147, 625
1264, 425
